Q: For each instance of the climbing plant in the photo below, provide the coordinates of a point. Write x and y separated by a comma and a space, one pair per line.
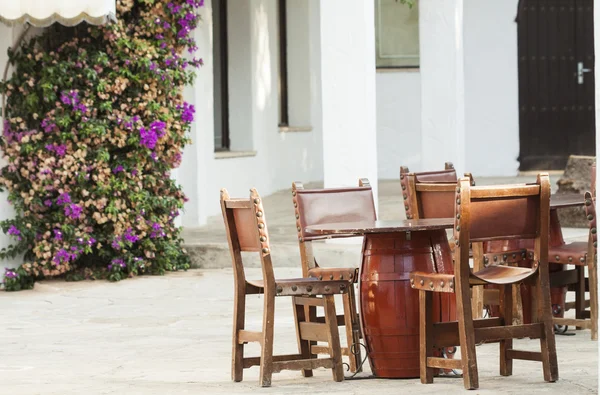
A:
95, 122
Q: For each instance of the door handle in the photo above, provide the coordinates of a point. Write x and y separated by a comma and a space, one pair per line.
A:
580, 71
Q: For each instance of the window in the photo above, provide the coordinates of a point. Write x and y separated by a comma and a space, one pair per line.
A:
396, 34
294, 26
220, 76
284, 118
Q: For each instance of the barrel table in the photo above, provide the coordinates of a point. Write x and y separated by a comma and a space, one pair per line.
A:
388, 306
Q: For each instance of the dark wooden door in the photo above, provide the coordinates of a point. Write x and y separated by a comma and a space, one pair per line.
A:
556, 90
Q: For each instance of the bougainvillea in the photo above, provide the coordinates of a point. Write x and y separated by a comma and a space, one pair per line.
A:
95, 123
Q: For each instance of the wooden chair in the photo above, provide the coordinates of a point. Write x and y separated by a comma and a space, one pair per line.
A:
431, 195
247, 231
448, 175
482, 214
578, 253
317, 206
581, 254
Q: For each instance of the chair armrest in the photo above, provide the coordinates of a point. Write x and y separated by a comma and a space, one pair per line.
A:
435, 282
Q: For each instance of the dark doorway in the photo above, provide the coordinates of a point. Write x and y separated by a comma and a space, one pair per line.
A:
556, 82
220, 75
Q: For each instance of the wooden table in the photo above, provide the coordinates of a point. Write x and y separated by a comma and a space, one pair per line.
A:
389, 307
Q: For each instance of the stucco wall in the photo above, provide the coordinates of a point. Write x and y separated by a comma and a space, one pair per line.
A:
491, 87
398, 121
253, 67
486, 140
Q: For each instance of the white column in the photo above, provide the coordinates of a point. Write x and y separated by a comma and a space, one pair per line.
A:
347, 63
194, 169
442, 83
597, 74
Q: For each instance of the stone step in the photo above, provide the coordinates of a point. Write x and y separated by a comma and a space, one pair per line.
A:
217, 256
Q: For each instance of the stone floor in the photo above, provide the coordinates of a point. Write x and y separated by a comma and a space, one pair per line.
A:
172, 334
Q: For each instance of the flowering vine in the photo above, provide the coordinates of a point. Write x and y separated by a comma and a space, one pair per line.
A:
95, 123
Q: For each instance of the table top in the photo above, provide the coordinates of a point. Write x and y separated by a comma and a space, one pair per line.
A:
566, 200
370, 227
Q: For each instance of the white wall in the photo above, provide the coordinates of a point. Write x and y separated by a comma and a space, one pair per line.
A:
348, 91
6, 210
398, 121
464, 110
280, 157
442, 83
491, 87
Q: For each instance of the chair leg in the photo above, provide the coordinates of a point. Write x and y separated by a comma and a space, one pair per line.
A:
593, 284
266, 355
580, 294
517, 302
333, 338
466, 334
237, 358
544, 315
477, 291
425, 335
351, 326
303, 345
506, 312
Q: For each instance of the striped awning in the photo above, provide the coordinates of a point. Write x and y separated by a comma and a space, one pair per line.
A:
43, 13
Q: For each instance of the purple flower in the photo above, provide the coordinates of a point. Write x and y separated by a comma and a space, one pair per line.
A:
116, 243
192, 49
166, 25
118, 169
134, 172
91, 241
47, 125
159, 36
10, 273
61, 150
13, 231
73, 211
153, 66
64, 98
117, 262
158, 127
188, 112
48, 203
57, 234
69, 98
148, 137
63, 256
163, 45
64, 198
127, 62
130, 237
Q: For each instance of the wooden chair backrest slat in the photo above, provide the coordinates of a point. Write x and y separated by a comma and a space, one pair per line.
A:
501, 212
590, 211
246, 228
320, 206
317, 206
429, 194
